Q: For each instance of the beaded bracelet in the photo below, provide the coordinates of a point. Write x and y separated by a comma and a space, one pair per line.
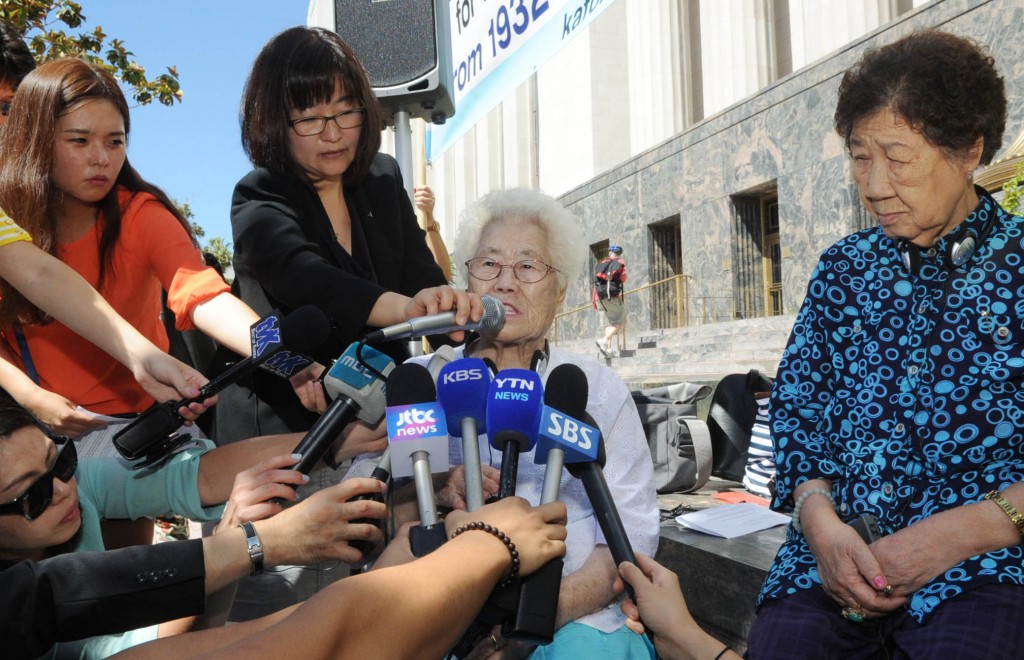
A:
803, 498
501, 536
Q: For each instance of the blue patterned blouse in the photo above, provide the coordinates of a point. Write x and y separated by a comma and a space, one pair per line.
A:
907, 392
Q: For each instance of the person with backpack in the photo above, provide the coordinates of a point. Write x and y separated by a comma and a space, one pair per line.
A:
609, 278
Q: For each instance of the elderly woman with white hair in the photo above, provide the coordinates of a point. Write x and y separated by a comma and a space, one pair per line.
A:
523, 248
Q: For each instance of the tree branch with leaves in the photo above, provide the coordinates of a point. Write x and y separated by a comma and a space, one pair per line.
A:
46, 26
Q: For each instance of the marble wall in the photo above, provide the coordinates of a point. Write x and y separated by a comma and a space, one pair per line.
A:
781, 136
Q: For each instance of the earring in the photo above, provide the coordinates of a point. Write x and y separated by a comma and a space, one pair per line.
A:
970, 176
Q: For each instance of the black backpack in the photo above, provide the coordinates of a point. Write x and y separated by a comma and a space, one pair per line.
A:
606, 279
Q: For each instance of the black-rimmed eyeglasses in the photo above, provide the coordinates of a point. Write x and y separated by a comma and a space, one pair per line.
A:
307, 126
527, 271
34, 500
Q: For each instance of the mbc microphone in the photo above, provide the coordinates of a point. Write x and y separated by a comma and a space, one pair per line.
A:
514, 401
152, 434
462, 390
439, 324
418, 440
357, 392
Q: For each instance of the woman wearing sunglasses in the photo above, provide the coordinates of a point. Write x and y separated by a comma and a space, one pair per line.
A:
51, 504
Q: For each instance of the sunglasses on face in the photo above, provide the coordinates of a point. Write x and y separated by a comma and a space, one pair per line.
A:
34, 500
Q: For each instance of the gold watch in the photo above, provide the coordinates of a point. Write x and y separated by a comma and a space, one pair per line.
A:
1015, 516
434, 226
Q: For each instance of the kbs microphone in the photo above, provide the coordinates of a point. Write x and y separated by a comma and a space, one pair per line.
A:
514, 401
152, 434
357, 392
438, 324
418, 439
462, 390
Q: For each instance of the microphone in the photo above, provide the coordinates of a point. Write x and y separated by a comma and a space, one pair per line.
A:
382, 471
514, 400
462, 390
418, 439
561, 437
152, 434
357, 390
438, 324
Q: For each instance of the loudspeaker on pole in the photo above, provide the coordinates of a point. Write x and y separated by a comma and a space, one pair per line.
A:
405, 46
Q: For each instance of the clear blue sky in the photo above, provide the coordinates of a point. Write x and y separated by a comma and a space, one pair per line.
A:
193, 150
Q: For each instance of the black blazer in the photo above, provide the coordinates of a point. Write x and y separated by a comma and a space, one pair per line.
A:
286, 256
85, 594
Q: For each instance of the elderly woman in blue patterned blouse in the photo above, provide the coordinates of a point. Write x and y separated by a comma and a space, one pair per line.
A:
901, 393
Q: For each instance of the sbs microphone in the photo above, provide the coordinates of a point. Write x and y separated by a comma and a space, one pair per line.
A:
560, 434
356, 392
152, 434
514, 401
439, 324
462, 390
562, 437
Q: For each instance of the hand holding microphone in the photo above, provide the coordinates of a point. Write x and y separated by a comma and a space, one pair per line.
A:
489, 311
151, 434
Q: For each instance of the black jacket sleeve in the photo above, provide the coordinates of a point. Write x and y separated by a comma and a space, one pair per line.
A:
285, 250
81, 595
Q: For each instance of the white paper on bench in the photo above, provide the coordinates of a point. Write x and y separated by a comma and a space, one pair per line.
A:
731, 520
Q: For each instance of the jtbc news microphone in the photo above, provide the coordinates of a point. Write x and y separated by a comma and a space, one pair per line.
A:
462, 390
355, 383
514, 401
418, 440
441, 324
278, 345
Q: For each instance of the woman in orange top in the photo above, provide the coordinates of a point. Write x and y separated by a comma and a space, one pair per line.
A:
65, 177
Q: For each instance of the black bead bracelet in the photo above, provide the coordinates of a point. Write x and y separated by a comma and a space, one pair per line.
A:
501, 536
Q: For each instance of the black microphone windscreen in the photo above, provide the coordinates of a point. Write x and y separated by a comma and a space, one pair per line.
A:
566, 390
305, 329
408, 384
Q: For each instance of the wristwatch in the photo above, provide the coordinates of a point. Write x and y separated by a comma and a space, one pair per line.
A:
252, 540
434, 226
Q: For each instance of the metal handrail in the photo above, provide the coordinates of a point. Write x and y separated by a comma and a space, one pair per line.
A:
682, 293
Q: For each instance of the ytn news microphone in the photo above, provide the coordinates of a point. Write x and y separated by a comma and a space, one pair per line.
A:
357, 392
462, 388
514, 401
418, 440
439, 324
278, 344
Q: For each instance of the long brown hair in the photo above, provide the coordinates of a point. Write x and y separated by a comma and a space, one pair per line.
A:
28, 143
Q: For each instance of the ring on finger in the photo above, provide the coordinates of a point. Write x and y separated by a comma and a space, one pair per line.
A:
853, 614
887, 591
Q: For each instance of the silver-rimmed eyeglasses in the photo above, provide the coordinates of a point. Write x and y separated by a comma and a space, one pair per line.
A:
527, 271
307, 126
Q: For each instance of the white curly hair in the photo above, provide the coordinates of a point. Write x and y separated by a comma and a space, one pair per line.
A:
524, 205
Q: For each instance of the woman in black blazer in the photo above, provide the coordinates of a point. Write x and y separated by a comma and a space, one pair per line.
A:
324, 219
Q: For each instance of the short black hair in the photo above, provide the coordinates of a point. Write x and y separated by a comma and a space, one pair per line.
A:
298, 68
942, 85
16, 59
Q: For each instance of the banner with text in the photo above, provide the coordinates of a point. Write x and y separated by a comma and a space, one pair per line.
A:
496, 45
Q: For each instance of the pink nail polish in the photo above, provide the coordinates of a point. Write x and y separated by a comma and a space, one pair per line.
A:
879, 582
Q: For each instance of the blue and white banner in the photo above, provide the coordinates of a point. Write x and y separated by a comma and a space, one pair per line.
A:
498, 44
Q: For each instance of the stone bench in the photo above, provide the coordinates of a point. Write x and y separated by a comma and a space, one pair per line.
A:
720, 577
